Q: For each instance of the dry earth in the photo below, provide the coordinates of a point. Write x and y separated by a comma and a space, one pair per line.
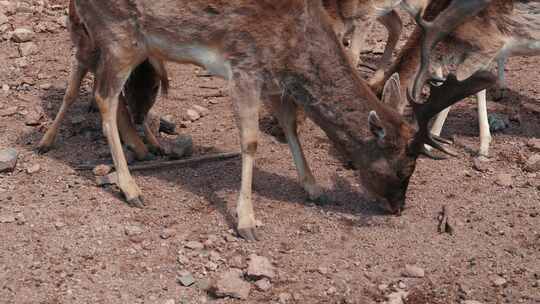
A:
65, 240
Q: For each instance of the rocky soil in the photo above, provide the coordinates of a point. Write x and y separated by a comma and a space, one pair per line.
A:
63, 239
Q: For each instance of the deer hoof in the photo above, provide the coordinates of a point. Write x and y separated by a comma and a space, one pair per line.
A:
136, 202
248, 234
42, 149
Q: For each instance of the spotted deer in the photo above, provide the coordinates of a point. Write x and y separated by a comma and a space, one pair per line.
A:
503, 29
284, 53
137, 97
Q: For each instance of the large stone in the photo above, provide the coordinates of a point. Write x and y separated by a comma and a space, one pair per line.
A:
533, 163
260, 267
22, 35
192, 115
231, 284
185, 278
8, 159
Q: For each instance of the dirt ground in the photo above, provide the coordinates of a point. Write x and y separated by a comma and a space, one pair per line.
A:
65, 240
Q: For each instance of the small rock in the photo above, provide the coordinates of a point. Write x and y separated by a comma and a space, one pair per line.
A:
167, 125
102, 170
181, 147
534, 144
284, 297
109, 179
322, 270
471, 302
237, 261
382, 287
397, 297
504, 179
231, 284
22, 35
33, 118
412, 271
211, 266
185, 278
33, 169
169, 301
132, 230
498, 122
167, 233
28, 48
192, 115
402, 285
59, 225
7, 219
201, 110
533, 163
263, 284
8, 159
260, 266
479, 164
332, 290
498, 280
194, 245
5, 88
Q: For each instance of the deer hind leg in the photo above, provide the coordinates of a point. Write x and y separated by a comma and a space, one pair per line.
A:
246, 95
392, 23
129, 133
78, 71
286, 112
111, 76
485, 134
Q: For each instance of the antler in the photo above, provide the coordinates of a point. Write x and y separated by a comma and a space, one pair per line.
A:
441, 97
434, 31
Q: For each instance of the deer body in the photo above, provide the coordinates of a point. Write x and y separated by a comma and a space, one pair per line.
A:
284, 53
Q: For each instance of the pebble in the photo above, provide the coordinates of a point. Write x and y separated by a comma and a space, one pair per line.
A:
322, 270
498, 280
181, 147
7, 219
5, 87
167, 233
284, 297
169, 301
201, 110
102, 170
109, 179
132, 230
194, 245
8, 159
471, 302
192, 115
33, 118
211, 266
185, 278
22, 35
28, 48
260, 266
263, 284
231, 284
412, 271
237, 261
402, 285
533, 163
397, 297
35, 168
504, 179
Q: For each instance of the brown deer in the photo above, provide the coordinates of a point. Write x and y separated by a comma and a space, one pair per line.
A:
138, 95
281, 52
505, 28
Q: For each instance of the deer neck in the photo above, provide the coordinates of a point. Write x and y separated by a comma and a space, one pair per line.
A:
333, 95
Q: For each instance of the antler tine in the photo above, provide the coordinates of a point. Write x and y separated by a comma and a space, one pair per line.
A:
434, 31
441, 97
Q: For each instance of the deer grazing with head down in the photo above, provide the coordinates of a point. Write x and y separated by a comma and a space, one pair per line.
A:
503, 29
284, 53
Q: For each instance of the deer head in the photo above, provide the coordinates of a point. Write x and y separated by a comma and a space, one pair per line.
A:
398, 144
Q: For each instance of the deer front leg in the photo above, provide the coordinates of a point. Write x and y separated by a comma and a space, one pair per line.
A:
246, 97
485, 134
438, 124
78, 71
286, 111
108, 87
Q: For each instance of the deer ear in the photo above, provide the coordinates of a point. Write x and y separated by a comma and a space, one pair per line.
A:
392, 90
375, 125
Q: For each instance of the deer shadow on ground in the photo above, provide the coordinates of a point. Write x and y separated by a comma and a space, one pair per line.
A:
81, 142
